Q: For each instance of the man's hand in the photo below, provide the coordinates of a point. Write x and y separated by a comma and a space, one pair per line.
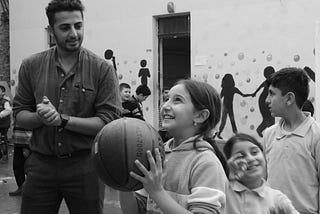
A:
47, 113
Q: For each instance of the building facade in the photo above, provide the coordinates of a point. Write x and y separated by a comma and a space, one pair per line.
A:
157, 42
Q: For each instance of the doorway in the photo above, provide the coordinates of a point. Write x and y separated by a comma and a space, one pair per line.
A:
173, 51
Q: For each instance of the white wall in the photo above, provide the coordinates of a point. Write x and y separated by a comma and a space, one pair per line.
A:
231, 36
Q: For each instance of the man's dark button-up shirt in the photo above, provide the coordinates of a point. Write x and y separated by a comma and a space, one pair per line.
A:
89, 89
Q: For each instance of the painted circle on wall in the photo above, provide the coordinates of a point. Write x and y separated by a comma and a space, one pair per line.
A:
296, 58
241, 56
217, 76
243, 103
133, 82
269, 57
120, 76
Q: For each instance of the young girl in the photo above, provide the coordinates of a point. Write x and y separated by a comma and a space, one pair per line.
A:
248, 191
193, 179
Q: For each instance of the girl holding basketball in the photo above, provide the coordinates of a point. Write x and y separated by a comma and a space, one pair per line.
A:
248, 191
193, 179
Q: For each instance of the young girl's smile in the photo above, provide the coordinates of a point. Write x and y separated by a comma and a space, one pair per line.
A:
178, 112
255, 161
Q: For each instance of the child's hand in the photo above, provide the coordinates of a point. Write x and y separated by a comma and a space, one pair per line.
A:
237, 166
153, 179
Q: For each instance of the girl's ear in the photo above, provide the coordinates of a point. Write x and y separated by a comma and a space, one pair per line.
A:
201, 116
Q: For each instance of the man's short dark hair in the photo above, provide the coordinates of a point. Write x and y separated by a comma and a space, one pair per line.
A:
293, 80
144, 90
124, 85
62, 5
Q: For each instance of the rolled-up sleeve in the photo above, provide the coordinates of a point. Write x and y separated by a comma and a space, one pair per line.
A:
108, 105
24, 98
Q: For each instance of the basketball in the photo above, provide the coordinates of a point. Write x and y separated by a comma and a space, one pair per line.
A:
118, 145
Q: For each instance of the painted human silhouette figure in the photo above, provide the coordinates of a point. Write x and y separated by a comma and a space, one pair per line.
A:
267, 119
310, 73
227, 94
108, 54
144, 72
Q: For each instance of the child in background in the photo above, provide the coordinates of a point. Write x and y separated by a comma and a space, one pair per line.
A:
193, 179
125, 92
292, 146
5, 121
248, 191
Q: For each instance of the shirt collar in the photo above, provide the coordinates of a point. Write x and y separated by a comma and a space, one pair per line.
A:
187, 144
238, 187
57, 62
300, 131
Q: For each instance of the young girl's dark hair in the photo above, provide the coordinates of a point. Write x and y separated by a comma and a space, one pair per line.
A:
204, 96
227, 149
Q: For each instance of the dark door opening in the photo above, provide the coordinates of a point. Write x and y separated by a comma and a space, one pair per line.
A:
174, 51
175, 60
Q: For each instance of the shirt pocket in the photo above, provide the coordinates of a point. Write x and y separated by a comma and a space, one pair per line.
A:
82, 98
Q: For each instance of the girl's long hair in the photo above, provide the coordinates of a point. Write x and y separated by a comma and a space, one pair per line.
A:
204, 96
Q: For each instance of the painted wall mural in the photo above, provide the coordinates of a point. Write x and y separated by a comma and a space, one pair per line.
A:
108, 55
244, 75
267, 119
239, 76
228, 90
144, 72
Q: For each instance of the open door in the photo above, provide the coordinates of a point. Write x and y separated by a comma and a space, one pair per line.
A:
174, 51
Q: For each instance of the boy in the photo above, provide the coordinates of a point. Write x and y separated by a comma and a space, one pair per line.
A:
133, 107
125, 92
292, 145
5, 111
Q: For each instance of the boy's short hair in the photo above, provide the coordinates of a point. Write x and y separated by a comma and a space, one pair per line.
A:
56, 6
124, 85
293, 80
144, 90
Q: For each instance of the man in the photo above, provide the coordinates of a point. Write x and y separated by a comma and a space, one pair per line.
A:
66, 95
5, 112
133, 107
292, 145
125, 91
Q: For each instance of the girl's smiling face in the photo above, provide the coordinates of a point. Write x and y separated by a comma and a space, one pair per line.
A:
256, 163
178, 113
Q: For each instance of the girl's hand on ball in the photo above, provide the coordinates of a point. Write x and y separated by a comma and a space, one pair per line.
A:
153, 179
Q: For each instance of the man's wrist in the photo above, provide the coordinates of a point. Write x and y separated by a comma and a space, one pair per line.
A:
64, 120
